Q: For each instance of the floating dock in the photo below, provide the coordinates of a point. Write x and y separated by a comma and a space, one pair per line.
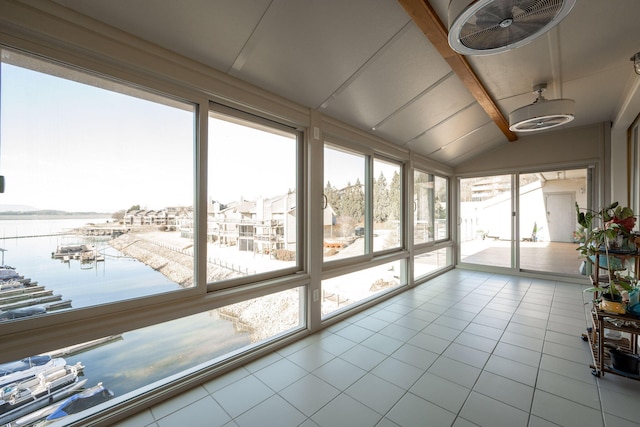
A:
20, 297
81, 252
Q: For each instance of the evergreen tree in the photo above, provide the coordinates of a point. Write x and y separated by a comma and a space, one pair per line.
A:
350, 207
395, 197
331, 193
380, 199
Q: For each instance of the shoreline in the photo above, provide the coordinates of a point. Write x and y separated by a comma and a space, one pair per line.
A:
172, 255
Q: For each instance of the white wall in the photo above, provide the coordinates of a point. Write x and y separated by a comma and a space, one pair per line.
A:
585, 146
571, 146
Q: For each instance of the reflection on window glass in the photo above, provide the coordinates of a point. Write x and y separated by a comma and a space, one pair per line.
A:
99, 187
344, 208
115, 368
486, 220
441, 208
430, 203
387, 205
423, 189
348, 289
252, 215
430, 262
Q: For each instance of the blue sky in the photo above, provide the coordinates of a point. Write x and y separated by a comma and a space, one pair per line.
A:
77, 147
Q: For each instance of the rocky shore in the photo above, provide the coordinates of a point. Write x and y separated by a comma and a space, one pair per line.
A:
175, 265
172, 256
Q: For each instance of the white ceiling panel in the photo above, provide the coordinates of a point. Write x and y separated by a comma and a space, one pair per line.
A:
432, 107
481, 139
597, 96
455, 127
305, 50
193, 28
413, 62
599, 35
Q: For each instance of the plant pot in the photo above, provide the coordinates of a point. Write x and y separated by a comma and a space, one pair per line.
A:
624, 362
612, 305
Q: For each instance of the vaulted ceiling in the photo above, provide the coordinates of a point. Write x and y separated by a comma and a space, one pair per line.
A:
381, 65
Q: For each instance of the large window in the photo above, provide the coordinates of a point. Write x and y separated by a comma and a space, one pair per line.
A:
99, 188
362, 220
115, 368
252, 210
98, 208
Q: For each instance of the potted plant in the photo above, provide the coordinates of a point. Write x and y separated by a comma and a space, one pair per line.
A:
609, 230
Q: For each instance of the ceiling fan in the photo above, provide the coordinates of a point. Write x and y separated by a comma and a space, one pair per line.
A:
542, 114
482, 27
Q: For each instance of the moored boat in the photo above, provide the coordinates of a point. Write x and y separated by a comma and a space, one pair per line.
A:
20, 312
29, 367
49, 386
8, 273
11, 284
77, 403
78, 251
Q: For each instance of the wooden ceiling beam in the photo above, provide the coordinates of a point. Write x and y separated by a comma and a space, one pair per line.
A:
426, 18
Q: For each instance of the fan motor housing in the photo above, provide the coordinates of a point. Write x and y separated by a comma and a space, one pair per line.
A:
484, 27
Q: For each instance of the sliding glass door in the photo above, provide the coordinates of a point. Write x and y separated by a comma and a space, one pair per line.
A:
541, 207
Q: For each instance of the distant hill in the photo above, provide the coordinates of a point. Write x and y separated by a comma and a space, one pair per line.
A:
15, 210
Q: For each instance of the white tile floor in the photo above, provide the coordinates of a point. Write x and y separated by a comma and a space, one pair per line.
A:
465, 349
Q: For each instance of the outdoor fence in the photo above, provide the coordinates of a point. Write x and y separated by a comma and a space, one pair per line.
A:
215, 261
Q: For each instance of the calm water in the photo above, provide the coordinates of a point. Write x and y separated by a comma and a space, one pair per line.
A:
115, 279
142, 356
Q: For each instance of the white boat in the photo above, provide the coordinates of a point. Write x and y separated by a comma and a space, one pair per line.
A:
7, 273
29, 367
80, 401
49, 386
20, 312
11, 284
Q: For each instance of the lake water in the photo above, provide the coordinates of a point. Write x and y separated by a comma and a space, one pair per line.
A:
117, 278
141, 357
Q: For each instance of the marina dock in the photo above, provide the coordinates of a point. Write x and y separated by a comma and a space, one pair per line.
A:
20, 297
83, 253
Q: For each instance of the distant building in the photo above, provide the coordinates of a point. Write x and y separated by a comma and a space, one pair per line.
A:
167, 217
261, 226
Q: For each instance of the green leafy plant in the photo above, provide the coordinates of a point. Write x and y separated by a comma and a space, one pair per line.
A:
614, 220
617, 284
